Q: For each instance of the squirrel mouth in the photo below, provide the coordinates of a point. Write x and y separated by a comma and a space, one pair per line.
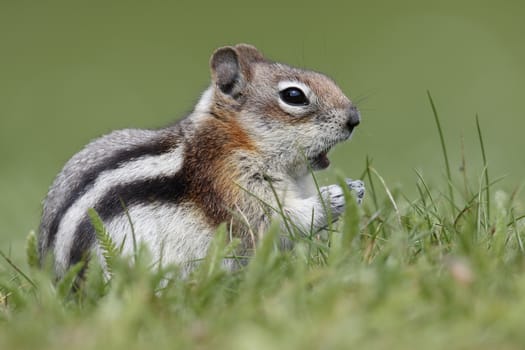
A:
320, 161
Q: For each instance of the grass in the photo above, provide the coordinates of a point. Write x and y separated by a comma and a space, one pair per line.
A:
429, 272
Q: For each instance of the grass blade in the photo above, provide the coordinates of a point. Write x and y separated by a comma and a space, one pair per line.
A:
389, 195
371, 182
444, 149
17, 269
32, 250
133, 236
67, 283
485, 166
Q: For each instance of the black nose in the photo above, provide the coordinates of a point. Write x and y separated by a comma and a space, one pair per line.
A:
354, 118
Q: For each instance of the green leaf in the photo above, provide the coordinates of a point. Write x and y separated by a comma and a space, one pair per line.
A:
108, 248
67, 282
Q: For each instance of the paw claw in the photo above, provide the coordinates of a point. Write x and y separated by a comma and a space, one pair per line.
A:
358, 187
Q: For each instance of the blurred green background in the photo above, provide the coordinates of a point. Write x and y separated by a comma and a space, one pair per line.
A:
71, 71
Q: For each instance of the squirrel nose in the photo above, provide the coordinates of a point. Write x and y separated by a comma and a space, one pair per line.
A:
354, 118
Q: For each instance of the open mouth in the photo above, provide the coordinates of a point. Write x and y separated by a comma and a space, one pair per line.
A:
320, 161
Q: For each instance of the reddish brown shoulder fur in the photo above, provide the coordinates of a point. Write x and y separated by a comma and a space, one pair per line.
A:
211, 169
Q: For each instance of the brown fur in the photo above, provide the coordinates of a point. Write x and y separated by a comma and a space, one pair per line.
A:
212, 169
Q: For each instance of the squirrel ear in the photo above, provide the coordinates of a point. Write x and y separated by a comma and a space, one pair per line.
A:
230, 67
226, 70
249, 53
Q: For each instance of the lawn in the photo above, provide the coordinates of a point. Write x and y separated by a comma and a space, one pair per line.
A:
424, 272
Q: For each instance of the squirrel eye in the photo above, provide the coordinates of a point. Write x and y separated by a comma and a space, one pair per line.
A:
294, 96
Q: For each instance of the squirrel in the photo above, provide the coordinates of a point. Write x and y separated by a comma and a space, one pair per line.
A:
247, 148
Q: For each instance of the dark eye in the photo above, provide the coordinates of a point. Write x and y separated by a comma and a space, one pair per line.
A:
294, 96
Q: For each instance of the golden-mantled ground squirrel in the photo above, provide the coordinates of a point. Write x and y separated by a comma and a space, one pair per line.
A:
255, 133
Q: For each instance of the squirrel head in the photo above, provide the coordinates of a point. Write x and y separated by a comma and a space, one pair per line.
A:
292, 114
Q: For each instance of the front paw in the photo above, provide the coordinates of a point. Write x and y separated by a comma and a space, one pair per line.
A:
333, 196
358, 187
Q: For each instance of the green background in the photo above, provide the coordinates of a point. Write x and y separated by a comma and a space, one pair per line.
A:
71, 71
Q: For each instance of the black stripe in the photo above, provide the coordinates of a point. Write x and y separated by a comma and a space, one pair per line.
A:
157, 190
160, 189
87, 179
83, 240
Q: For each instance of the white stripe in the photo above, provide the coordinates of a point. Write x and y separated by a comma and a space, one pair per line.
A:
147, 167
174, 234
205, 102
